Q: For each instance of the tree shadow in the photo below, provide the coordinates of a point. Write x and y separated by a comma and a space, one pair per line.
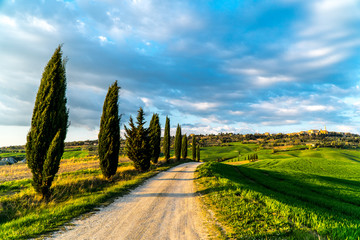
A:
351, 157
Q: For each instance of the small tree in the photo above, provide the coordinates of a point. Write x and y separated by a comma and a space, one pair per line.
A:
155, 137
137, 144
177, 145
184, 147
109, 134
166, 142
193, 148
198, 153
45, 140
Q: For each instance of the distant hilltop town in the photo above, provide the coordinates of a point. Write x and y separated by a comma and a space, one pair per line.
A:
312, 132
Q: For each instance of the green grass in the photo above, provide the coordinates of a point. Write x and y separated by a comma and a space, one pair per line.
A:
292, 195
228, 151
78, 153
24, 215
12, 154
68, 153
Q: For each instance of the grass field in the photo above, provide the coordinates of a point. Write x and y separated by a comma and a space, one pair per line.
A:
68, 153
228, 151
12, 154
300, 194
77, 153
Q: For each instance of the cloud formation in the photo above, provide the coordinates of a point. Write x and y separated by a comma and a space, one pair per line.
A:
234, 66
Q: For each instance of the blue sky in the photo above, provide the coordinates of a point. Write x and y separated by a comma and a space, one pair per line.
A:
212, 66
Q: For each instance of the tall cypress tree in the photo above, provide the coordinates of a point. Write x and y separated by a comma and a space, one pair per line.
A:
177, 145
184, 147
166, 143
137, 144
193, 148
109, 134
45, 140
155, 137
198, 153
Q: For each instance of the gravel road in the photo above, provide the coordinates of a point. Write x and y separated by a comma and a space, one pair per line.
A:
164, 207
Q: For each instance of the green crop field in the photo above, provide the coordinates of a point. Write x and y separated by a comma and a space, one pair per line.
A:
300, 194
68, 153
12, 154
77, 153
228, 151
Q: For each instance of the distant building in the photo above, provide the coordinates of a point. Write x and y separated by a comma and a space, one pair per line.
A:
324, 131
313, 131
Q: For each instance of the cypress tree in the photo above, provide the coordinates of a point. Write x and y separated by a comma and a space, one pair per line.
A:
177, 145
184, 147
193, 148
166, 143
45, 140
198, 153
109, 134
137, 144
155, 137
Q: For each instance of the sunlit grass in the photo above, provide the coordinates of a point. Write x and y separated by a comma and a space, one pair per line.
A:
288, 195
21, 170
228, 151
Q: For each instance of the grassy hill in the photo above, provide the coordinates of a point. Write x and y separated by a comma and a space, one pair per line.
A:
297, 194
226, 151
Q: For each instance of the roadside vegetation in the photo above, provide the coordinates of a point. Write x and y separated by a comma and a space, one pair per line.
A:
292, 194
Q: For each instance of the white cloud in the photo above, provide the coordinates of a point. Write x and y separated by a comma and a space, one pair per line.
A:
236, 113
346, 128
102, 39
280, 122
198, 106
315, 108
146, 101
327, 36
7, 21
80, 26
264, 81
286, 107
4, 108
246, 71
214, 119
41, 24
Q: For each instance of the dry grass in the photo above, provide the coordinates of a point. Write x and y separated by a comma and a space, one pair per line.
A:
283, 147
238, 162
21, 171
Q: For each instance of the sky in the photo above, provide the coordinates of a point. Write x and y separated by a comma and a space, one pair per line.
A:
212, 66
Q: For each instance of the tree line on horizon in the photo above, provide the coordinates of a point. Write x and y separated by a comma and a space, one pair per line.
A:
49, 124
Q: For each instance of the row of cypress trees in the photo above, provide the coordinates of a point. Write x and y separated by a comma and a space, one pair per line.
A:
180, 146
45, 140
143, 144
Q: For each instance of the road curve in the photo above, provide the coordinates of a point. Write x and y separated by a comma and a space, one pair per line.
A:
164, 207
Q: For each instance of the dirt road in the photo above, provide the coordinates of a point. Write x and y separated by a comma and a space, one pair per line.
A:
164, 207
